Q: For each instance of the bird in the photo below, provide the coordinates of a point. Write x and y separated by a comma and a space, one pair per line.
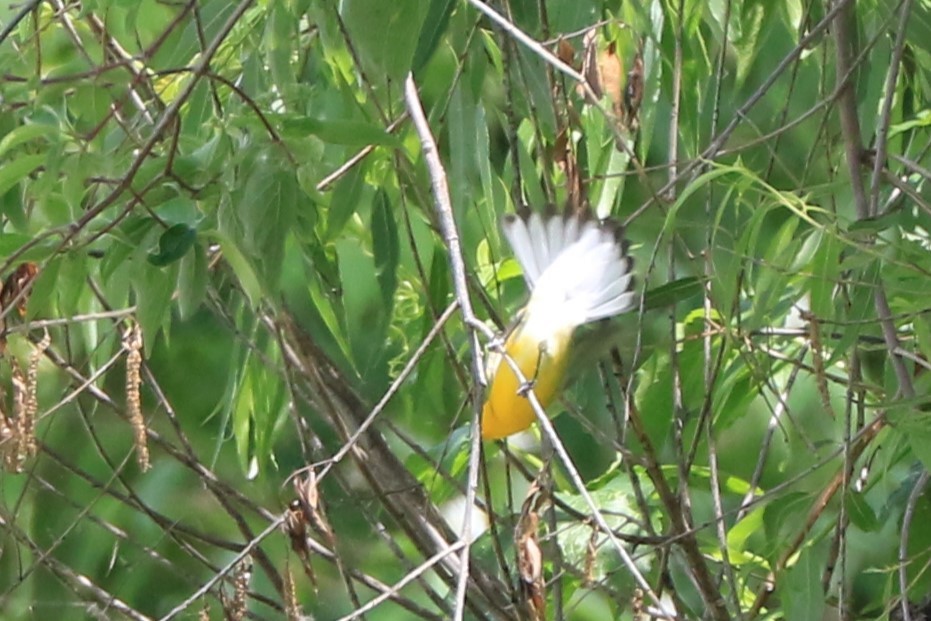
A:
578, 271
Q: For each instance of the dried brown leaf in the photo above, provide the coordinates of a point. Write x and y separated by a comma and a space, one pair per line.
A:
530, 554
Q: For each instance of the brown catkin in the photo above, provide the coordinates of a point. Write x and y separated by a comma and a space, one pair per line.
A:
22, 428
242, 576
31, 397
291, 606
132, 342
817, 363
7, 438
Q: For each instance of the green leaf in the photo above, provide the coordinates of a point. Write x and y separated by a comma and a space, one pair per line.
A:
153, 288
801, 591
11, 242
325, 310
270, 401
825, 268
345, 201
13, 172
385, 247
266, 210
613, 183
46, 283
915, 428
71, 283
342, 132
192, 282
922, 119
740, 533
241, 418
367, 318
23, 134
672, 292
434, 25
527, 164
280, 35
384, 34
438, 288
173, 244
861, 513
243, 270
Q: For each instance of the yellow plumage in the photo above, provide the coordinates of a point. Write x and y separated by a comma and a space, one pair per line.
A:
507, 410
579, 272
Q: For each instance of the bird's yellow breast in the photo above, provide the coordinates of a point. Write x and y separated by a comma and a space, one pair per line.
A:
543, 363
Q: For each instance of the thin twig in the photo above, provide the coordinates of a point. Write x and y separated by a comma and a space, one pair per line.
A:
576, 478
882, 129
913, 497
714, 147
407, 579
391, 391
450, 233
850, 126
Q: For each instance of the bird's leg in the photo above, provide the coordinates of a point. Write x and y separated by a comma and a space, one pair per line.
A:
529, 384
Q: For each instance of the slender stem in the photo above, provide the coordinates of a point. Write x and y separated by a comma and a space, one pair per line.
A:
444, 209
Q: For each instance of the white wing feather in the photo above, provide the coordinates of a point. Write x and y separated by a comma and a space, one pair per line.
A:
577, 268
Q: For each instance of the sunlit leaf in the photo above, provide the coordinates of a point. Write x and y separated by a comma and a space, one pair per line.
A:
24, 134
12, 172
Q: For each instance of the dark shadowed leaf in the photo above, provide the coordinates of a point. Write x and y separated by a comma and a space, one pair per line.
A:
345, 200
173, 244
672, 292
385, 246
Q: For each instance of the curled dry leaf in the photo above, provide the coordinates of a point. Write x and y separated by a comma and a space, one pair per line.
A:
564, 156
15, 291
295, 527
530, 567
17, 286
309, 498
633, 92
530, 554
307, 511
565, 52
603, 69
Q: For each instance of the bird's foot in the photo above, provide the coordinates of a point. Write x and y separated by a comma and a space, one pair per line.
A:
526, 387
496, 344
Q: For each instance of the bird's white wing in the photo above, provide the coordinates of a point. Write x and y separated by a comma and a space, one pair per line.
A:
577, 267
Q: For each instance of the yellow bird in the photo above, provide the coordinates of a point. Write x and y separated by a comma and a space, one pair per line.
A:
578, 271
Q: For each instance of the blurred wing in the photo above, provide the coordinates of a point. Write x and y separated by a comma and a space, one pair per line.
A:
538, 238
577, 267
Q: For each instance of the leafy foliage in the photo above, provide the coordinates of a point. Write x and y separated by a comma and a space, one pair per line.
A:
243, 187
